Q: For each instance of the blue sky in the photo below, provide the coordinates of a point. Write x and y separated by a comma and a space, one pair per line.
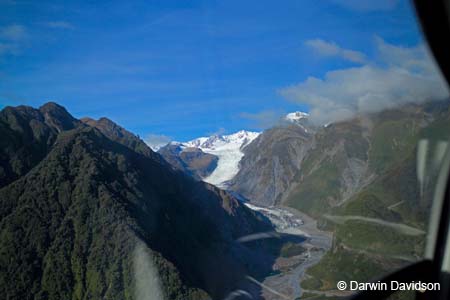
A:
186, 68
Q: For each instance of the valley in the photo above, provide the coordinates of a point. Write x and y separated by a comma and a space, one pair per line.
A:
289, 268
344, 202
357, 179
220, 150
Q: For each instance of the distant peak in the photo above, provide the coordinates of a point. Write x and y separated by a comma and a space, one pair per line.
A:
52, 106
296, 115
87, 119
57, 116
238, 139
55, 110
243, 133
21, 108
106, 120
103, 122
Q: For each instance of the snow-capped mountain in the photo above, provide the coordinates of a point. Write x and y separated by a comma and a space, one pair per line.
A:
228, 148
296, 116
156, 148
299, 118
215, 142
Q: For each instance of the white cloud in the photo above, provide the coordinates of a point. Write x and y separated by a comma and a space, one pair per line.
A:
12, 39
415, 59
263, 119
220, 131
13, 32
399, 75
59, 25
156, 141
331, 49
367, 5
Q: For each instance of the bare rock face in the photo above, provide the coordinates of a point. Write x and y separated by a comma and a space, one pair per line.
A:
318, 168
270, 163
199, 162
335, 167
214, 159
365, 169
193, 161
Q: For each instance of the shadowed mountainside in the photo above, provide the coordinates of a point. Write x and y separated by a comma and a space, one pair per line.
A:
192, 161
27, 135
74, 213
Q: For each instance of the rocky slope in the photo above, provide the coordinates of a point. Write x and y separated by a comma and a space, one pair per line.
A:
360, 179
89, 213
193, 161
270, 163
348, 156
213, 159
378, 209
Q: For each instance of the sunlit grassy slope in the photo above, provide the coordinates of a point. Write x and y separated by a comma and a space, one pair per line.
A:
360, 181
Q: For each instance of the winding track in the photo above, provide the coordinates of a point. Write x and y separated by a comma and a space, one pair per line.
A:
400, 227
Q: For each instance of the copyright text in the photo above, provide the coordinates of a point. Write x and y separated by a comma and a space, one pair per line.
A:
385, 286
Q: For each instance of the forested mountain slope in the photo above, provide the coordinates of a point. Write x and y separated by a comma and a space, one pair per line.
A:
78, 219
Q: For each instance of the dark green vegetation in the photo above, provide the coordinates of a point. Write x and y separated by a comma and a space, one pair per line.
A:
360, 180
290, 249
120, 135
78, 198
26, 137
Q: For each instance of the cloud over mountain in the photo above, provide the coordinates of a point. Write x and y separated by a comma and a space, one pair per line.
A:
263, 119
155, 141
397, 76
331, 49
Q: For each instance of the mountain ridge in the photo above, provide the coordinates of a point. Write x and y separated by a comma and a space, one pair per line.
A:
222, 154
37, 126
89, 195
359, 179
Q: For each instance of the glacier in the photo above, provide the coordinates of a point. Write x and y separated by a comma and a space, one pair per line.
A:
228, 148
